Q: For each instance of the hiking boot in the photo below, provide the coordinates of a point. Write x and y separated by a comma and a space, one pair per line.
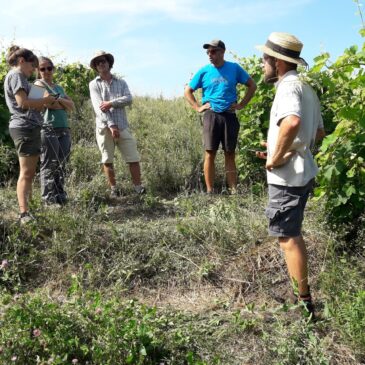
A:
26, 218
308, 307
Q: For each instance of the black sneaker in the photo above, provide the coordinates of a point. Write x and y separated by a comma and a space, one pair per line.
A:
62, 199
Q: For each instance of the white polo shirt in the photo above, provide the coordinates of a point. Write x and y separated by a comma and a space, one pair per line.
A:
294, 97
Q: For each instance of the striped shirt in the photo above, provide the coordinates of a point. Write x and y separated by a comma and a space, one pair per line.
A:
118, 93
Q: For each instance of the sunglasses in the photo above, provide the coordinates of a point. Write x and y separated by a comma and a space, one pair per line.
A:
212, 51
43, 69
100, 60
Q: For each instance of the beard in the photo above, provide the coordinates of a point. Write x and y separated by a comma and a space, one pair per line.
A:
271, 77
271, 72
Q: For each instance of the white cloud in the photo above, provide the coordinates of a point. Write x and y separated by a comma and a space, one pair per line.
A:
140, 33
182, 10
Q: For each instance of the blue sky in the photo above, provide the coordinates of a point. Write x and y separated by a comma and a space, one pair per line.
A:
157, 44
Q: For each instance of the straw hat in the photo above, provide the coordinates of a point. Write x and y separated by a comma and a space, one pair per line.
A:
284, 46
98, 54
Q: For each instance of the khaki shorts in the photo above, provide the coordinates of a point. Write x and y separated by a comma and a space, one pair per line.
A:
126, 144
27, 141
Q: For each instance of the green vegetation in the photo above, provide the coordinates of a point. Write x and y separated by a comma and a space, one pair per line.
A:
176, 276
179, 280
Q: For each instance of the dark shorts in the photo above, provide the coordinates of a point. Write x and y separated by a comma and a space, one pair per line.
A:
220, 128
27, 141
285, 210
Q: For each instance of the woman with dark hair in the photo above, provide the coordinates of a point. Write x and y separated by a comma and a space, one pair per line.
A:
55, 137
25, 121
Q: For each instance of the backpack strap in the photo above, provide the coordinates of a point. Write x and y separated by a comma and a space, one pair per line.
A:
47, 86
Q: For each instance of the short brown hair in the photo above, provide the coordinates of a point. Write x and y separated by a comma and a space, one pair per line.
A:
15, 52
45, 59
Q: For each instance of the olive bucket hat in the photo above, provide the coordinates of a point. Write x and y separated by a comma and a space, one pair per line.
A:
99, 54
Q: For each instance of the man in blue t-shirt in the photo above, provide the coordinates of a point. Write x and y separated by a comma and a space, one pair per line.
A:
218, 81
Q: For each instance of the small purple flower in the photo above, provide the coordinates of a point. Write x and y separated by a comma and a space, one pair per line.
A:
75, 361
4, 264
14, 358
37, 332
98, 310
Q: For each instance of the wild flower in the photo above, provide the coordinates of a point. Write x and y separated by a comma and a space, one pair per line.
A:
37, 332
4, 264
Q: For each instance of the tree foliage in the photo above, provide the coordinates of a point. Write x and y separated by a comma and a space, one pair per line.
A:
342, 155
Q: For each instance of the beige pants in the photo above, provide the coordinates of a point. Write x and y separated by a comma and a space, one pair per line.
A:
126, 144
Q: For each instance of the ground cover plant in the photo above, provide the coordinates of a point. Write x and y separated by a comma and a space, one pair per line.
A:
176, 276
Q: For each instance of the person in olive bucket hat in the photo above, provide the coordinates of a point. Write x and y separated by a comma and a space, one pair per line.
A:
109, 96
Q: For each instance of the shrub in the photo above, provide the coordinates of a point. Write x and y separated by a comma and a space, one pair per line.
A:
341, 181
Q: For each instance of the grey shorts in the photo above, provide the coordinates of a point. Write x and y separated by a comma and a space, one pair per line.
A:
285, 210
27, 141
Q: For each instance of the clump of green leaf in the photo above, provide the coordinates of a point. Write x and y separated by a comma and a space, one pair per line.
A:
87, 329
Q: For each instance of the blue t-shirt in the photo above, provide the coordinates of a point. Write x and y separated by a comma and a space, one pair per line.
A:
219, 84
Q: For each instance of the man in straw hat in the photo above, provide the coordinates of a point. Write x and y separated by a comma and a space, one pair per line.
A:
109, 96
295, 125
218, 81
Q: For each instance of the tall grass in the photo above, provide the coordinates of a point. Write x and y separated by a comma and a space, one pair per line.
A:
168, 134
211, 285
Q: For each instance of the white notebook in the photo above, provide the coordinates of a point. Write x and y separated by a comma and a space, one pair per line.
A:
36, 92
